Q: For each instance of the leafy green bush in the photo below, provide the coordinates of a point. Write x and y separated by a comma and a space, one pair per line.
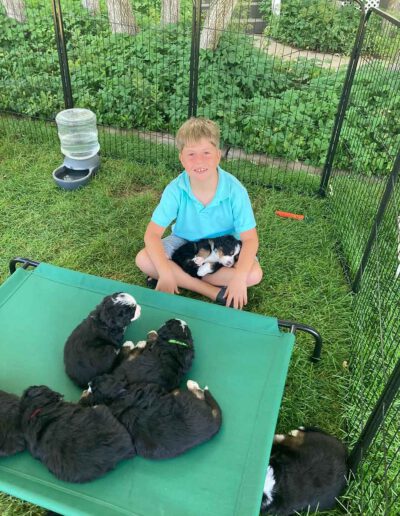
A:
320, 25
262, 103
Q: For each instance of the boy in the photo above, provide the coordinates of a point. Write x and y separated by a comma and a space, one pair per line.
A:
205, 202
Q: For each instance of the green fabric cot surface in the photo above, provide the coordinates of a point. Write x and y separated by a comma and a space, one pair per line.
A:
242, 357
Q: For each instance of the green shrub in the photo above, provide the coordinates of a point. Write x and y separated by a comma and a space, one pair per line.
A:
319, 25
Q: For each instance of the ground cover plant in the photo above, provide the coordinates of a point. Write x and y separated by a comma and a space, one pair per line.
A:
263, 104
83, 230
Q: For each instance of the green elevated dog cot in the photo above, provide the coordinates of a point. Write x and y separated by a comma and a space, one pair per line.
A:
242, 357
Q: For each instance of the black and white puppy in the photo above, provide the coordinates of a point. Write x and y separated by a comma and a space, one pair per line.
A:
307, 471
11, 437
163, 359
77, 444
208, 255
93, 346
162, 424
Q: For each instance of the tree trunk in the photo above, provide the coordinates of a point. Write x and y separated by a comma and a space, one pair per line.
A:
15, 9
121, 17
93, 6
218, 17
169, 12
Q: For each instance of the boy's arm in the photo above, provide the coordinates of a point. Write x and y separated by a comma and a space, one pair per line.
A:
155, 250
237, 288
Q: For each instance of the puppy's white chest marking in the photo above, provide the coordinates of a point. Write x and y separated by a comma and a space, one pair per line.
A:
269, 484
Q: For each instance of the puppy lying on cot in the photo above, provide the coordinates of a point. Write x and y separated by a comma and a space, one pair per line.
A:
162, 424
75, 443
11, 437
93, 346
164, 358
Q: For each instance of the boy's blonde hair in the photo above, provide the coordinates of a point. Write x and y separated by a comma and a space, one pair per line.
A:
194, 129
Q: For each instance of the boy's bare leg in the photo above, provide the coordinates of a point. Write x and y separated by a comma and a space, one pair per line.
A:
182, 279
223, 276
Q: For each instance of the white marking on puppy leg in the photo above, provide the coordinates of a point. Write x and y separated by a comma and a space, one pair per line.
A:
278, 438
269, 484
204, 269
192, 385
128, 344
141, 344
294, 433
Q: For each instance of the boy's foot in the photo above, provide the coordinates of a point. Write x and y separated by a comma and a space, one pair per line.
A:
151, 282
220, 299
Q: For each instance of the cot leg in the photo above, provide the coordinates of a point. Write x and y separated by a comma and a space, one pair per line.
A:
25, 261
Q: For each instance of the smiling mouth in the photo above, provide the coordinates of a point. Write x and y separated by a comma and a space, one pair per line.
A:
200, 170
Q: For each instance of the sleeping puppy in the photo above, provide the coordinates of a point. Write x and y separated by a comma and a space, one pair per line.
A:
208, 255
93, 346
162, 424
77, 444
307, 471
163, 359
11, 438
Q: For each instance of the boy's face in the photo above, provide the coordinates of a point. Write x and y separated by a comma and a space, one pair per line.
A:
200, 159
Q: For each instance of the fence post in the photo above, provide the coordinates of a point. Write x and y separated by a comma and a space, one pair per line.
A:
344, 100
62, 54
194, 58
375, 419
378, 220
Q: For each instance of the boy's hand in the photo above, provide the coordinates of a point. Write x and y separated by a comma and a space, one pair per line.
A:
167, 284
236, 291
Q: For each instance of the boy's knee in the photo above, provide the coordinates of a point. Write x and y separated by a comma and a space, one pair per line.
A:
141, 259
255, 276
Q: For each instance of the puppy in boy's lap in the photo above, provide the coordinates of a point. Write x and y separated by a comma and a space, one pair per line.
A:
162, 424
75, 443
307, 471
164, 358
94, 345
208, 255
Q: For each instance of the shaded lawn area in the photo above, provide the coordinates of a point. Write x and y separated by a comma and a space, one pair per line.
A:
99, 229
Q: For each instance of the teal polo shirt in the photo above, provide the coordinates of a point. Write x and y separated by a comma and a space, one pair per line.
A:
229, 212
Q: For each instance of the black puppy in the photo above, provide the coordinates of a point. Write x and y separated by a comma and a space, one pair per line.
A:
11, 438
77, 444
162, 425
163, 359
208, 255
93, 346
307, 471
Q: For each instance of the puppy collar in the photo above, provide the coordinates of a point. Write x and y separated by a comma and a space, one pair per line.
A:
35, 413
179, 342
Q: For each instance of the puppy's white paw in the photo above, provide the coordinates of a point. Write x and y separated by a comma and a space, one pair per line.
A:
206, 268
192, 385
128, 344
294, 433
141, 344
198, 260
278, 438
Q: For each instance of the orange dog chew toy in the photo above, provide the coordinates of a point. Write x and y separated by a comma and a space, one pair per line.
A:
288, 215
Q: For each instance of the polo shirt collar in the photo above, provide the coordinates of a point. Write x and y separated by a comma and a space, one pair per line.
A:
222, 188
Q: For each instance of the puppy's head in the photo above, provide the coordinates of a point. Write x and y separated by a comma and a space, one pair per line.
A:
178, 331
118, 310
103, 389
227, 249
38, 396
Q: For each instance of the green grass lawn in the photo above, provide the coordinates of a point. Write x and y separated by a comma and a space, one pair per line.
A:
98, 229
